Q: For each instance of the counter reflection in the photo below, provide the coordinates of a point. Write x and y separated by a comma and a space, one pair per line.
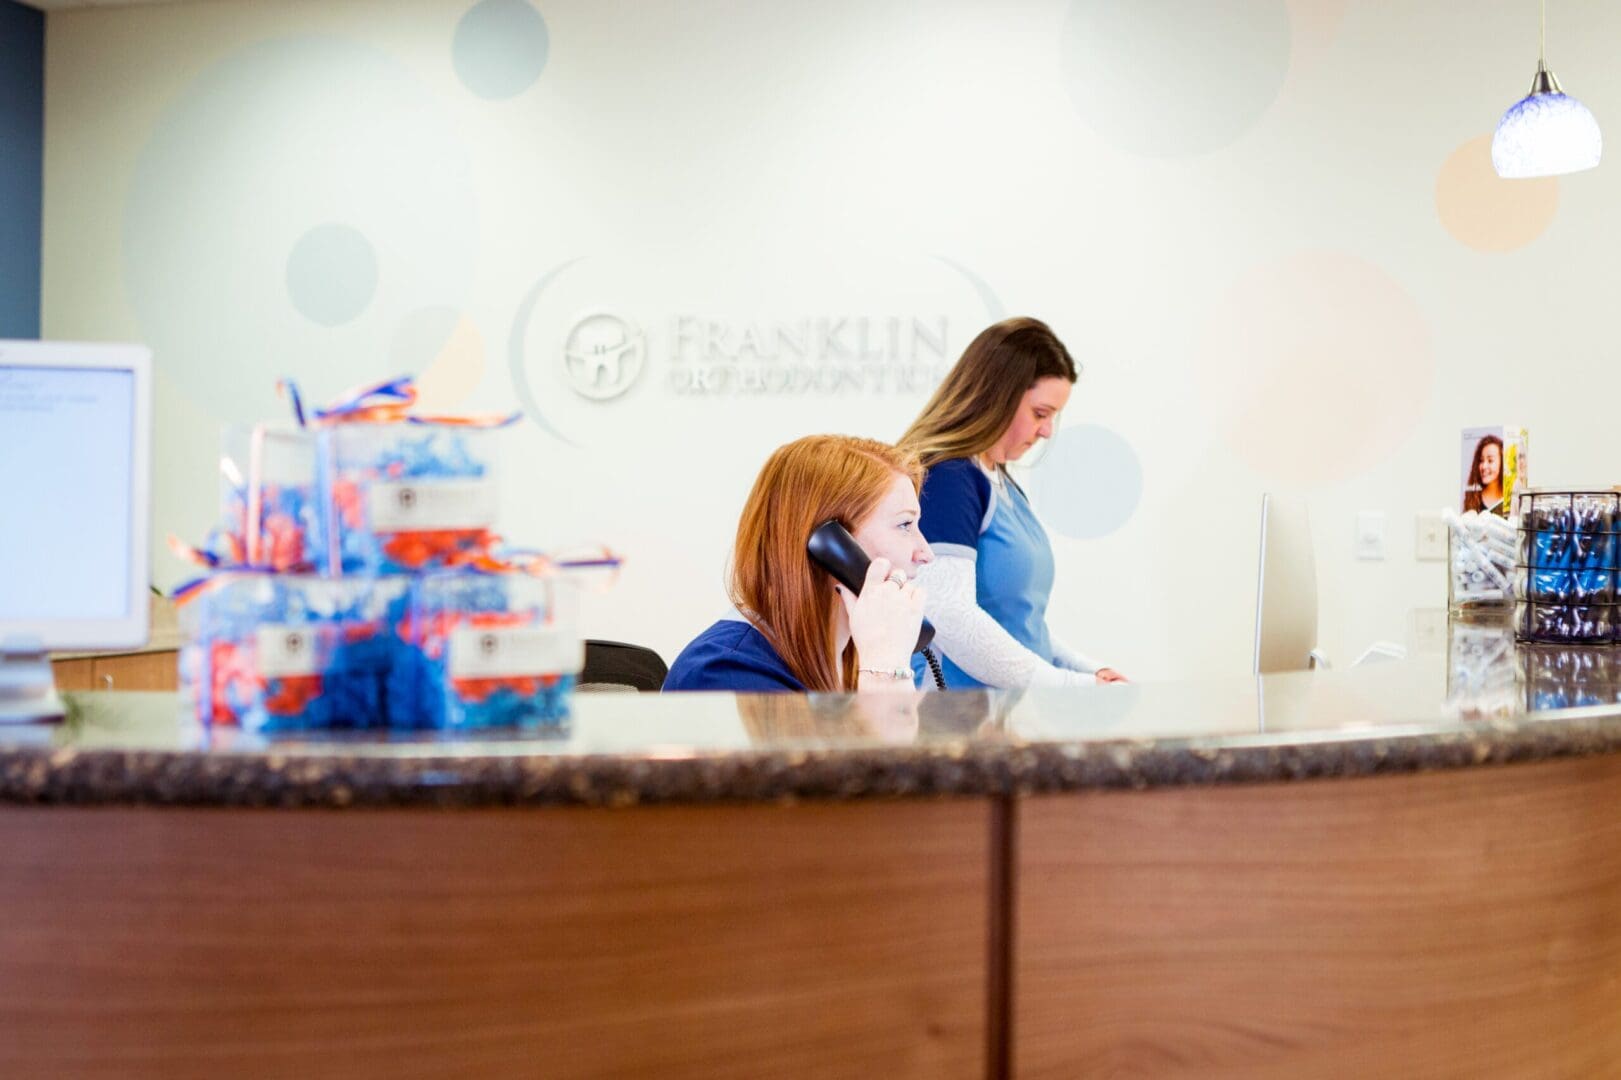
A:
891, 719
1492, 676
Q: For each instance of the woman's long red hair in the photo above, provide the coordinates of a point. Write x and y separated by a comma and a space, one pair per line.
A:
773, 582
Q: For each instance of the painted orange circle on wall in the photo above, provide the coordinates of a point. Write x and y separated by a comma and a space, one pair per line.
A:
443, 348
1485, 212
1316, 367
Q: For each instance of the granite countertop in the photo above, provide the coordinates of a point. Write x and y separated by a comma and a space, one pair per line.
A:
1474, 708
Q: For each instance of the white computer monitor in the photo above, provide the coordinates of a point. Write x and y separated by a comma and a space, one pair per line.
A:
1285, 589
75, 488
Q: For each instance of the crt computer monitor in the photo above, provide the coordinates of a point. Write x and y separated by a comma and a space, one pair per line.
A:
1285, 589
75, 468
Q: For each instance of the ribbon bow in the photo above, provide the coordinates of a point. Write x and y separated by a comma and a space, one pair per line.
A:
389, 401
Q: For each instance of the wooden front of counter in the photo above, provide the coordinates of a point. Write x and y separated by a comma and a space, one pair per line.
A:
1455, 924
750, 941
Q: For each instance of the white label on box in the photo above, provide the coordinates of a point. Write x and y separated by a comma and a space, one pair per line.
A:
430, 505
282, 651
514, 652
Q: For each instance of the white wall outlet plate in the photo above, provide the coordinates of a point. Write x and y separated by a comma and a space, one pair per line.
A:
1370, 534
1430, 630
1430, 539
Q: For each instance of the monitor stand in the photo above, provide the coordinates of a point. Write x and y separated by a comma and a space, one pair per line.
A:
27, 684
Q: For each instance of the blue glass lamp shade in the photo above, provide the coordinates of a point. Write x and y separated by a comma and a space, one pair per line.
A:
1546, 134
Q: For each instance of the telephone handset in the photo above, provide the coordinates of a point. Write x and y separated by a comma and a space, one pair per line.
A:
833, 549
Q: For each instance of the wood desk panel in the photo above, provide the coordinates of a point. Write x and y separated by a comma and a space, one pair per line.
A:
137, 671
825, 940
74, 674
1462, 924
155, 670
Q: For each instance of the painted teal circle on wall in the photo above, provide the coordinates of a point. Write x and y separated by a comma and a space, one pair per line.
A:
331, 274
1170, 78
1089, 483
290, 206
500, 48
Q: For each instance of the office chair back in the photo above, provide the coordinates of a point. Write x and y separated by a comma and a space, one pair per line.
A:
614, 666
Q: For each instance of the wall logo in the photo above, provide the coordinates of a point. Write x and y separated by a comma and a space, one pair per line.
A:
828, 354
603, 355
688, 353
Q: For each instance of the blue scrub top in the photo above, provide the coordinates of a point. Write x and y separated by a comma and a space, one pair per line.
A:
964, 515
733, 656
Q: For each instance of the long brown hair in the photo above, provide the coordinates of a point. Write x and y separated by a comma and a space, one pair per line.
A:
973, 407
809, 481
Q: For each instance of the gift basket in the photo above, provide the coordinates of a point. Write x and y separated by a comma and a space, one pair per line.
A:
356, 581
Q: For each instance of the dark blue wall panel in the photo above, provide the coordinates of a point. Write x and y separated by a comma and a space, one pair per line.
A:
22, 157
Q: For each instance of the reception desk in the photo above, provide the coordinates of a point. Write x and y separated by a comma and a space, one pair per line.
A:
1346, 873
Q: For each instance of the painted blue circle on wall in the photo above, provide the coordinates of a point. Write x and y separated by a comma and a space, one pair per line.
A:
500, 48
331, 274
1167, 78
1089, 483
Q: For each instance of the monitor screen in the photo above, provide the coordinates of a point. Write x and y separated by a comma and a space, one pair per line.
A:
1285, 588
73, 516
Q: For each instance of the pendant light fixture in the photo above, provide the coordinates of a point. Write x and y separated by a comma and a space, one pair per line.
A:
1547, 132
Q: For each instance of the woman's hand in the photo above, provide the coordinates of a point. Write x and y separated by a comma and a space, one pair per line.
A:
1109, 674
884, 619
891, 718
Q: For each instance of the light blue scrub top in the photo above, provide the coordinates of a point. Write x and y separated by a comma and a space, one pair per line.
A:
1013, 568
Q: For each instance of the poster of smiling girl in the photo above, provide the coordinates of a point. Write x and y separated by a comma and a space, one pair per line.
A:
1493, 465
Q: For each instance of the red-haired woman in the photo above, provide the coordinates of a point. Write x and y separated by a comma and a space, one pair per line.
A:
795, 628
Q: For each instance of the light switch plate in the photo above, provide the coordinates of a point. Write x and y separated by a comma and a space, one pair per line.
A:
1370, 534
1430, 541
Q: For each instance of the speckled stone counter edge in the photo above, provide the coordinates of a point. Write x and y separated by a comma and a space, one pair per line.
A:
100, 777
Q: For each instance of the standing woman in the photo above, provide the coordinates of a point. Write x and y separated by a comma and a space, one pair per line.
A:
992, 576
794, 627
